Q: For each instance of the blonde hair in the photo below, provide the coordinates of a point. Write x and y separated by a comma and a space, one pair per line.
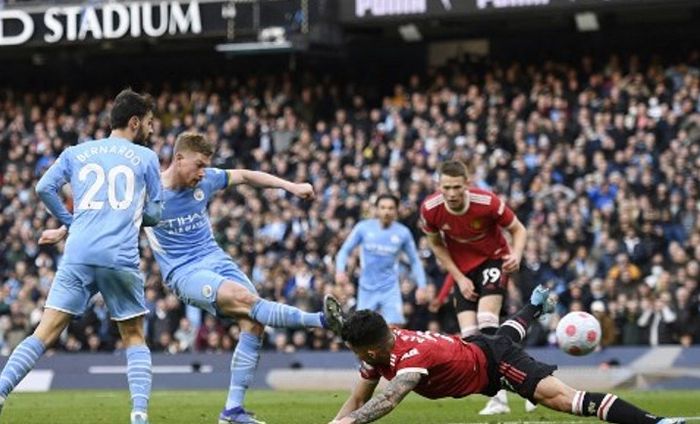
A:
193, 142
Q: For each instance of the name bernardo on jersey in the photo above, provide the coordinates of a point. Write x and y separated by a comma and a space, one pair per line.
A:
128, 153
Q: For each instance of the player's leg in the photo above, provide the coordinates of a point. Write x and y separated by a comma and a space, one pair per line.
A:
138, 367
489, 308
68, 297
466, 314
238, 297
243, 364
123, 293
490, 283
554, 394
25, 355
391, 306
516, 326
220, 288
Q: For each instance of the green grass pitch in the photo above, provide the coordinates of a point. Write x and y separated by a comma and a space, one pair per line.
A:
193, 407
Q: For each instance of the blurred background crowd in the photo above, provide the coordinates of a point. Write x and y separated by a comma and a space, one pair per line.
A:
599, 158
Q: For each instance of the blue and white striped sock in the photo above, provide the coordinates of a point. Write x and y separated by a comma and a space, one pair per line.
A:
139, 375
245, 360
20, 363
279, 315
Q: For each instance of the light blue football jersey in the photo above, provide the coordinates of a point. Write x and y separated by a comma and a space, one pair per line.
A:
111, 180
184, 234
380, 249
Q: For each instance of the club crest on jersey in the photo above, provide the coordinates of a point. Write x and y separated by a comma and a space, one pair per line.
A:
477, 224
446, 227
207, 291
395, 239
198, 194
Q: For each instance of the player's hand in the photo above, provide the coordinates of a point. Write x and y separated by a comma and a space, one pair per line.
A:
421, 296
341, 278
466, 286
511, 263
53, 236
303, 190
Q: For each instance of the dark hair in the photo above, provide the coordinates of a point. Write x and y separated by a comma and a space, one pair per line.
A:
127, 104
365, 328
193, 142
387, 196
454, 168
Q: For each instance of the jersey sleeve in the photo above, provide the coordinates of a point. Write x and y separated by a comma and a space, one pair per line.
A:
368, 372
50, 183
353, 240
216, 179
503, 214
409, 246
154, 193
425, 221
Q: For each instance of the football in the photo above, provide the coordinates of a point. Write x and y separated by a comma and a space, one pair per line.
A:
578, 333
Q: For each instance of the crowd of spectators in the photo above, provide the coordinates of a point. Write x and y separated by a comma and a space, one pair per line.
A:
599, 158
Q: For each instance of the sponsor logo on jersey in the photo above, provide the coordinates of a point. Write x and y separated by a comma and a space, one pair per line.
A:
411, 353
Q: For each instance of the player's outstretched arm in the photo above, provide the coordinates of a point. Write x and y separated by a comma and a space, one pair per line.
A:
361, 393
265, 180
385, 402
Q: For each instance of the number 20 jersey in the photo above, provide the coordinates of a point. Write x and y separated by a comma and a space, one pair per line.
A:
110, 179
450, 366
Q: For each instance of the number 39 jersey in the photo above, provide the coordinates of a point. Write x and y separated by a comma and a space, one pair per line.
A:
110, 180
451, 366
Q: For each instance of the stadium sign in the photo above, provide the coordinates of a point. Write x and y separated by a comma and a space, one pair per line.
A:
100, 22
359, 11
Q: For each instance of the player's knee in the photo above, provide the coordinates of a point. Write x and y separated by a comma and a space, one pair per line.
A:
252, 327
131, 332
235, 299
554, 394
51, 326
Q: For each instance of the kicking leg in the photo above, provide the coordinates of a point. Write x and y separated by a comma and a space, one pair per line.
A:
243, 364
235, 300
554, 394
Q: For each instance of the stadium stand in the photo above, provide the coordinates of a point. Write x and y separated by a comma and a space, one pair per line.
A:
599, 158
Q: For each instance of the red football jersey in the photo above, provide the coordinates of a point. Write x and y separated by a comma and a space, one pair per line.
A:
473, 235
452, 367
